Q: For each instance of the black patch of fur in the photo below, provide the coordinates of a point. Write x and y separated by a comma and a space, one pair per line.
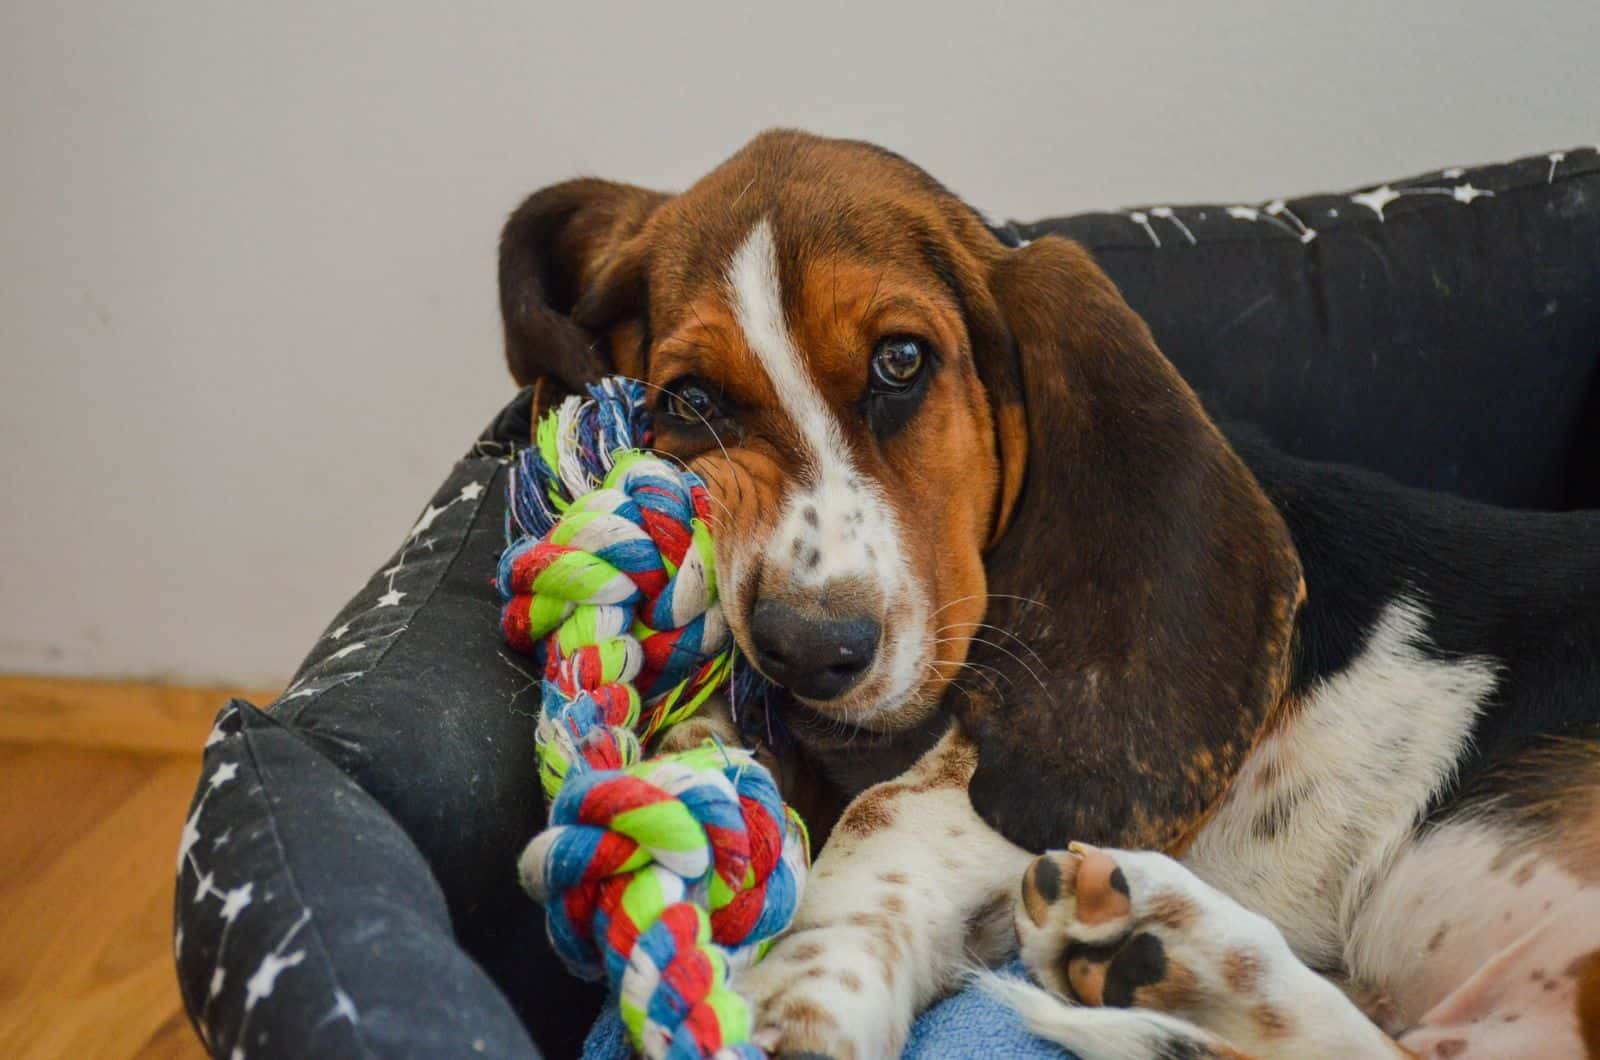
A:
1279, 810
1517, 589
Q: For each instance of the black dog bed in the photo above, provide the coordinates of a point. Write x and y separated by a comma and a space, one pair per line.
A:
346, 881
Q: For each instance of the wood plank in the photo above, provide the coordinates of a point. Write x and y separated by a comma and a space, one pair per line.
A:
87, 847
64, 712
173, 1040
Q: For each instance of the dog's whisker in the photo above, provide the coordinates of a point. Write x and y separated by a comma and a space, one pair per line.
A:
712, 478
872, 300
989, 676
697, 317
977, 671
1002, 649
707, 475
950, 680
998, 629
836, 292
677, 340
969, 664
991, 596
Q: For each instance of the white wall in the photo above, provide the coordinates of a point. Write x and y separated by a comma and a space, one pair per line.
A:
247, 305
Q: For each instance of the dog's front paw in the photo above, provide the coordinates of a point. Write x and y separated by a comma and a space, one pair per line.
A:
713, 721
1133, 928
829, 992
1121, 928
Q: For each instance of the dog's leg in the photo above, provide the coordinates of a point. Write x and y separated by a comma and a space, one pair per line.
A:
1136, 930
713, 721
911, 887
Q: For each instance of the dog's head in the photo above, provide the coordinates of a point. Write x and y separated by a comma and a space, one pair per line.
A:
934, 461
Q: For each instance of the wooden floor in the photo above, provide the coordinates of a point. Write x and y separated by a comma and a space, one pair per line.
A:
95, 780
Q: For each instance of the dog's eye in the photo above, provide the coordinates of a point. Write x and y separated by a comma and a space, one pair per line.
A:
901, 368
897, 362
692, 401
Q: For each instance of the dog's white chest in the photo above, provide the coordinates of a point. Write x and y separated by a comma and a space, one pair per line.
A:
1322, 805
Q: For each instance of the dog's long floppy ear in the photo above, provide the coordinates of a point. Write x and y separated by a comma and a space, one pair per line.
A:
1166, 583
572, 277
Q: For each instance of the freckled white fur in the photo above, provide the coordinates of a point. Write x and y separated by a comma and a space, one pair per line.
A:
1520, 1002
1461, 878
1370, 747
835, 523
949, 880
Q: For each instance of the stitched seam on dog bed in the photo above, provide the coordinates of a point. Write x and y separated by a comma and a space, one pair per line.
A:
444, 575
294, 886
1275, 236
308, 701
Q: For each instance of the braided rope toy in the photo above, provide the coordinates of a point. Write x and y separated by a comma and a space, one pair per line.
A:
659, 873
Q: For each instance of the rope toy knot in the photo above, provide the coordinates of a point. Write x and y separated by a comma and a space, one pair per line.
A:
655, 873
619, 602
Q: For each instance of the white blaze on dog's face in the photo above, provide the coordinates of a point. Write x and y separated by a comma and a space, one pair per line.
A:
807, 344
834, 559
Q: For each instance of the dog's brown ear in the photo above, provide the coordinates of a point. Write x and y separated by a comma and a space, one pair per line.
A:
572, 281
1140, 560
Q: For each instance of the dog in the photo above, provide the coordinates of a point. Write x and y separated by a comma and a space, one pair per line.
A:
1326, 749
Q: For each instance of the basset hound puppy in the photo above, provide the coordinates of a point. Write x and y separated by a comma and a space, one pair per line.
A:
1326, 749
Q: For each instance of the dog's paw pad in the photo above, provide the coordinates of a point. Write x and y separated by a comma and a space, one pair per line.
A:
1082, 886
1103, 893
1121, 928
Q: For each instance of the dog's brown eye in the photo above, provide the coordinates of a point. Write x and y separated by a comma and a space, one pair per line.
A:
692, 402
897, 362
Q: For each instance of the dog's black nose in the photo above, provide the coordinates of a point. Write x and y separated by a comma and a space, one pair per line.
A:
815, 658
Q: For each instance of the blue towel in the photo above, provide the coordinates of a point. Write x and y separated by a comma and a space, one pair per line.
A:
970, 1025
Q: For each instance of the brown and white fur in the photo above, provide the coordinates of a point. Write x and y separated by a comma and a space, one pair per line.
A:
1037, 596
